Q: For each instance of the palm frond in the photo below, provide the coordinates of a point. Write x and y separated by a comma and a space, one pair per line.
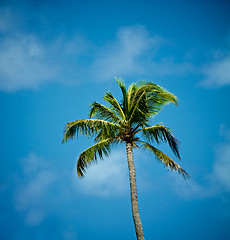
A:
157, 97
88, 127
161, 133
107, 132
166, 160
131, 93
125, 95
114, 105
139, 112
155, 91
91, 154
100, 111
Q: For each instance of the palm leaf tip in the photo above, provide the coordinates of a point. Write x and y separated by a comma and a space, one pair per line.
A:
171, 97
166, 160
160, 133
174, 143
93, 153
80, 169
67, 133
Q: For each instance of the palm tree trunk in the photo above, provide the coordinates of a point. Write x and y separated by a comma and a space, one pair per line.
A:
133, 191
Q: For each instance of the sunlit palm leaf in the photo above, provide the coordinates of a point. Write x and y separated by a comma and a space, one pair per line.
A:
87, 127
131, 93
161, 133
125, 96
91, 154
114, 105
160, 95
156, 96
166, 160
100, 111
139, 112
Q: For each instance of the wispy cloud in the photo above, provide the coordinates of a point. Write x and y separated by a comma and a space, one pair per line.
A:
221, 166
133, 53
193, 189
40, 185
23, 57
39, 190
27, 61
43, 189
23, 63
216, 182
33, 187
126, 55
217, 74
107, 178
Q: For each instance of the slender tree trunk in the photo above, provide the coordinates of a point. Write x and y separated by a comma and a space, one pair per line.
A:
133, 191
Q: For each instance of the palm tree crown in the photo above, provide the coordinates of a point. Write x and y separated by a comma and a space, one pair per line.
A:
126, 121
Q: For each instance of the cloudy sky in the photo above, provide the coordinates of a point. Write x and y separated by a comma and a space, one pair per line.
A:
56, 57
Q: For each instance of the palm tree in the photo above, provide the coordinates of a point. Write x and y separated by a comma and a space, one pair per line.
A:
127, 122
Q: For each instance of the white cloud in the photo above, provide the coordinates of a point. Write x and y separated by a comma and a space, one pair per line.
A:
24, 63
123, 56
36, 186
33, 191
107, 178
221, 166
216, 182
27, 62
33, 188
34, 217
217, 74
39, 187
193, 189
133, 53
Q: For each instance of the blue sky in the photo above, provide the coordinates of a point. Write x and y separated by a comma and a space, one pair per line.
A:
56, 57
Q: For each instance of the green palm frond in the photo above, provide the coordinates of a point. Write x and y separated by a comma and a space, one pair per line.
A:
88, 127
124, 94
100, 111
157, 93
166, 160
146, 99
91, 154
131, 93
134, 96
161, 133
107, 132
157, 97
139, 110
114, 105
